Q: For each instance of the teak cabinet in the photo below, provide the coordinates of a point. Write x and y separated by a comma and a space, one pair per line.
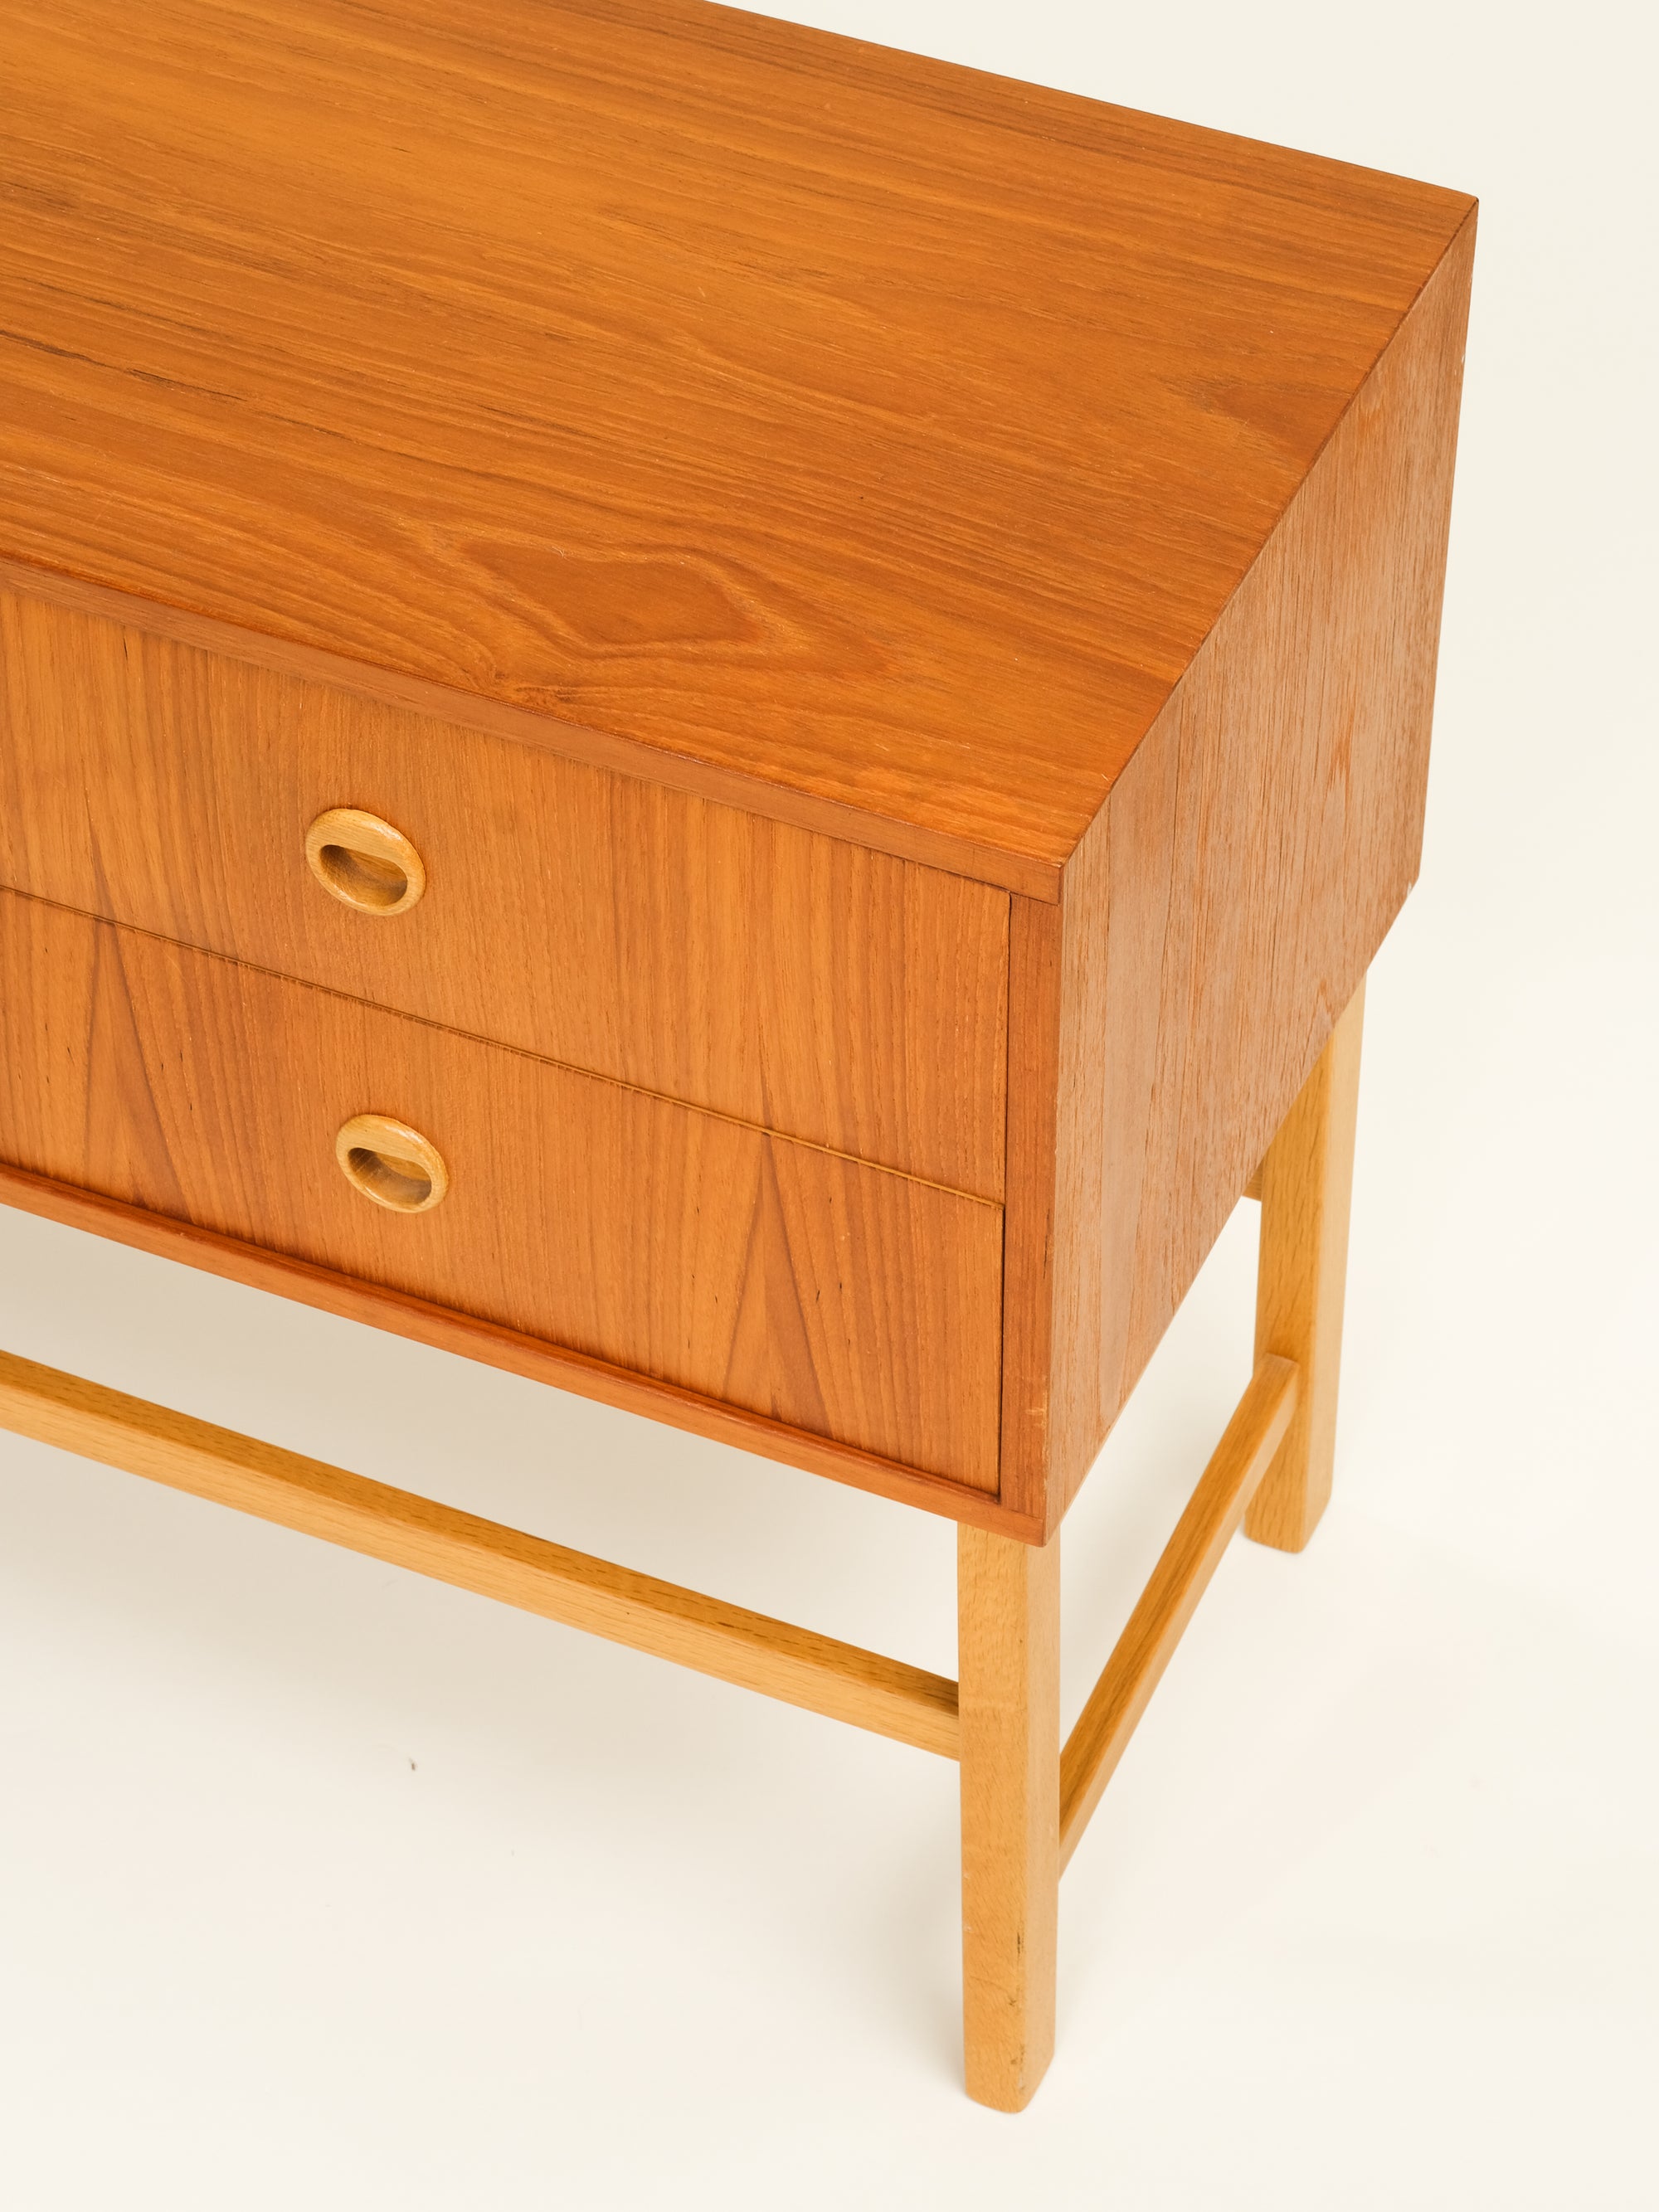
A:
728, 717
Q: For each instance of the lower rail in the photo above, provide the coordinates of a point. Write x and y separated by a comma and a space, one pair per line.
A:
1142, 1651
793, 1664
796, 1665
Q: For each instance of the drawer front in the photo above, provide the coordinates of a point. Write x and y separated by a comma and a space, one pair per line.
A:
845, 1300
765, 972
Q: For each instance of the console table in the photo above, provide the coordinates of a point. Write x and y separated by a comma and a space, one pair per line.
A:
729, 718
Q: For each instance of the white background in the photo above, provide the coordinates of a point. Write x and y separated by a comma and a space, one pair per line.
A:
322, 1887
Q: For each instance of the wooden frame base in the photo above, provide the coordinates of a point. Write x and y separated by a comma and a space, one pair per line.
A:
795, 1664
1026, 1801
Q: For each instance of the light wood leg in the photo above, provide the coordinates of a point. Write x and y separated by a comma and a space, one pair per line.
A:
1307, 1179
1008, 1638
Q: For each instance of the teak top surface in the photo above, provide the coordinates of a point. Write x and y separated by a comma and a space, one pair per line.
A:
887, 432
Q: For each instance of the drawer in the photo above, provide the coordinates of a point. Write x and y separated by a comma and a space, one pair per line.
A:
765, 972
848, 1301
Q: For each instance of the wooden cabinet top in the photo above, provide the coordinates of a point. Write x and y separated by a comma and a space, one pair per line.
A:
754, 403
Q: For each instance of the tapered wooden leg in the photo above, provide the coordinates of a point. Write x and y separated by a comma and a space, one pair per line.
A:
1008, 1638
1306, 1182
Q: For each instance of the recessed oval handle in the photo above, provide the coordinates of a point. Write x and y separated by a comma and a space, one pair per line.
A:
364, 862
391, 1163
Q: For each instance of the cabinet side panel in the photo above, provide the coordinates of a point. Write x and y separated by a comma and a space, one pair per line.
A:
1254, 853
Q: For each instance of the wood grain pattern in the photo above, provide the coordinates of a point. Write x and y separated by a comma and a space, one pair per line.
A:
882, 434
811, 987
1034, 879
444, 1330
834, 1297
1008, 1647
1237, 1468
1223, 907
795, 1664
898, 614
1307, 1181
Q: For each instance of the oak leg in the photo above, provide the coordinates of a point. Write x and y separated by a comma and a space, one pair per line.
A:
1306, 1182
1008, 1638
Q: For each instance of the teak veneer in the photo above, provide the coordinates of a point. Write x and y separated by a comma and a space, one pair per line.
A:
682, 946
858, 1305
728, 717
